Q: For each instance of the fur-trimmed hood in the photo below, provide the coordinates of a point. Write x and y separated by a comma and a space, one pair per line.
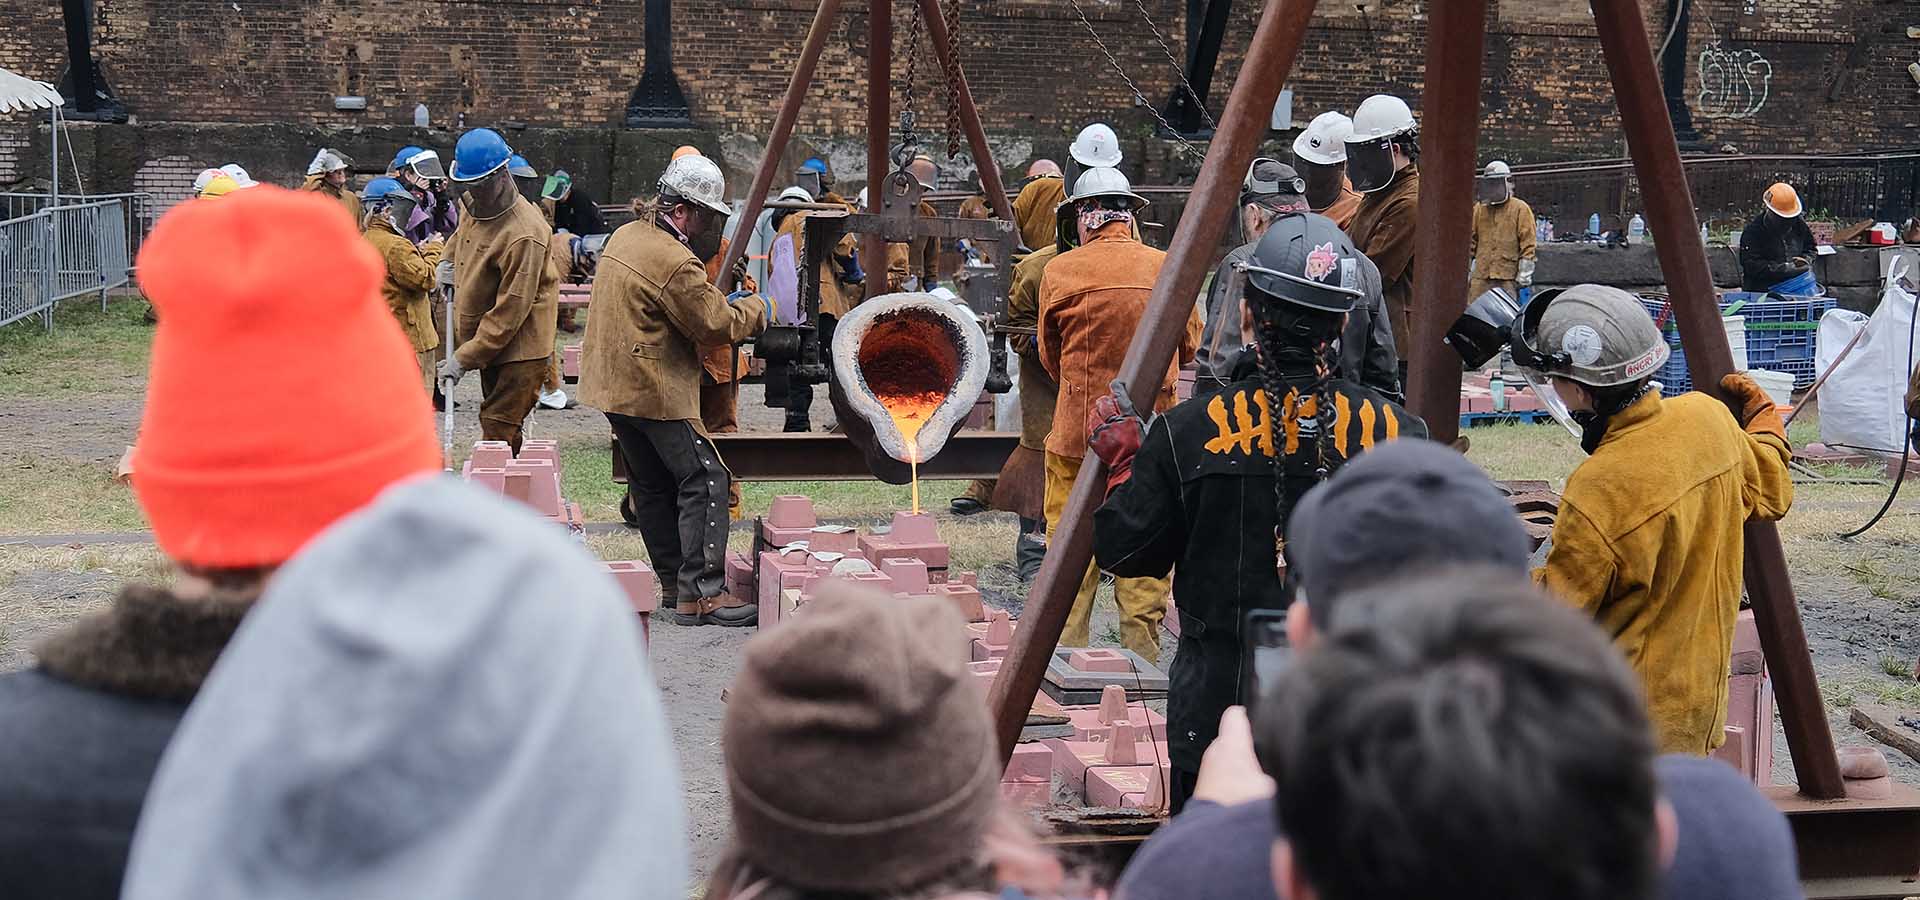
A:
150, 644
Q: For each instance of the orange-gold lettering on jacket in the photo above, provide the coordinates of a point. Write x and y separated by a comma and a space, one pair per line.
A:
653, 309
1091, 300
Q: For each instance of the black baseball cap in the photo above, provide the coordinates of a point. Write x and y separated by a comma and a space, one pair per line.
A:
1403, 506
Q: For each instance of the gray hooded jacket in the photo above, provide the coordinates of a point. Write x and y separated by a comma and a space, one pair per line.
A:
442, 696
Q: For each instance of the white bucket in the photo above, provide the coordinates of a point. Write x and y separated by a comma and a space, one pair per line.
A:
1778, 385
1736, 340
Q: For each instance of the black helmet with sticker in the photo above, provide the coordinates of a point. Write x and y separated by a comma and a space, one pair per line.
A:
1305, 259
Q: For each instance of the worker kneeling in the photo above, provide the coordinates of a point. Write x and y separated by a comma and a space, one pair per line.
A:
1215, 480
653, 311
1649, 538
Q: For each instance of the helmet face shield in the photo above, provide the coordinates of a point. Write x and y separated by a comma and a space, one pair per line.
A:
1485, 327
1550, 400
426, 164
1493, 191
1370, 164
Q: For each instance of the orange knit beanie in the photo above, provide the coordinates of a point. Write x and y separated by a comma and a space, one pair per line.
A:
282, 394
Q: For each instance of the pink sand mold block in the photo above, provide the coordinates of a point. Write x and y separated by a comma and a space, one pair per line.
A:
911, 536
909, 575
833, 539
490, 454
1095, 723
779, 571
1128, 787
1099, 660
543, 486
1072, 759
964, 597
492, 479
637, 579
1031, 762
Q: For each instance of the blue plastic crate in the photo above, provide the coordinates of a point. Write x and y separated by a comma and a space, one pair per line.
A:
1780, 336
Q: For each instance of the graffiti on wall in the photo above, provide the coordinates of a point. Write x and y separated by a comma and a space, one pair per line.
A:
1733, 83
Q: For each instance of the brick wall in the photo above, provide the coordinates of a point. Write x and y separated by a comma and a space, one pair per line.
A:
1768, 75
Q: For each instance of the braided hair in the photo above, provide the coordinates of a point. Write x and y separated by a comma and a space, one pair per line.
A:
1296, 356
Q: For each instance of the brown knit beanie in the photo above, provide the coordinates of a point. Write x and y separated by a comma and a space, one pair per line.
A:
860, 755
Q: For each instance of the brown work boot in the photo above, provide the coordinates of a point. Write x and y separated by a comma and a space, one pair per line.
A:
688, 612
733, 612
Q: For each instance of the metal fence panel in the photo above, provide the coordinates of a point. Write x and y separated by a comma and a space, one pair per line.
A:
26, 266
59, 252
139, 209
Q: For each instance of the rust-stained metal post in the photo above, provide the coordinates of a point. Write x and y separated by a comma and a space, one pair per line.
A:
969, 115
873, 248
1683, 261
1276, 42
756, 198
1449, 134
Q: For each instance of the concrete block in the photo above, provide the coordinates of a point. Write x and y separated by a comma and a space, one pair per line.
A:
878, 581
637, 580
491, 454
1031, 762
909, 575
833, 539
791, 511
543, 486
1099, 660
964, 598
492, 479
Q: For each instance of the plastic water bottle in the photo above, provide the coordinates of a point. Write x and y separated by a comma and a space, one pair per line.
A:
1593, 226
1548, 225
420, 115
1637, 230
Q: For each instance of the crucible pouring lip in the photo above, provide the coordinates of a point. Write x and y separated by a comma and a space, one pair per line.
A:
907, 348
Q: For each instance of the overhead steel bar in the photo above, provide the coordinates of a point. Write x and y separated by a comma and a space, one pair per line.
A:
1683, 262
969, 115
1449, 134
879, 113
782, 129
1269, 60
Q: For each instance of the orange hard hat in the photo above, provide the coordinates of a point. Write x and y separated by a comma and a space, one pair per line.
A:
685, 150
1783, 200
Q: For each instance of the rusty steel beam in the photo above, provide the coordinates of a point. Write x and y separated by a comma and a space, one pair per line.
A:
1859, 841
773, 456
879, 99
782, 129
969, 115
1269, 60
1449, 134
1683, 261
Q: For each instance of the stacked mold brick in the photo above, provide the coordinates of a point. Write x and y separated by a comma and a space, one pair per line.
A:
533, 478
794, 555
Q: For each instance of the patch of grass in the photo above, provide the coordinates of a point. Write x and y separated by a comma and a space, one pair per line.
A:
1530, 452
1845, 692
59, 497
1895, 666
89, 351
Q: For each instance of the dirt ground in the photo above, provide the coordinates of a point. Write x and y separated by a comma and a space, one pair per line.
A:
1860, 600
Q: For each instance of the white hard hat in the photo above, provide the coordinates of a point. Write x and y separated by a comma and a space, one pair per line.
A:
206, 175
239, 175
1498, 169
1104, 181
1381, 116
1324, 141
326, 160
696, 179
1097, 145
799, 193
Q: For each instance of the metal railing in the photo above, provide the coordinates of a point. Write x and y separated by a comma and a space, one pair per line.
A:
59, 252
140, 210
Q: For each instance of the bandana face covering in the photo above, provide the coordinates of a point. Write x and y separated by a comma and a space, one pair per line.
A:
1093, 220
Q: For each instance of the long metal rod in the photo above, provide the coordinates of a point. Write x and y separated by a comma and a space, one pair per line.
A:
1269, 60
969, 115
1683, 261
782, 129
1450, 131
873, 249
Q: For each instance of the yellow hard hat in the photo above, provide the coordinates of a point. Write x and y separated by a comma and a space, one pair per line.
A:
1783, 200
685, 150
219, 186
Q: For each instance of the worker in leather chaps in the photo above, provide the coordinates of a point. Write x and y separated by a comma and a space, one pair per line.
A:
654, 311
1204, 490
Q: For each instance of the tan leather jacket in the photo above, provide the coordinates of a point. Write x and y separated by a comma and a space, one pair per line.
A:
1033, 210
1502, 237
1091, 299
506, 294
1383, 229
409, 279
653, 309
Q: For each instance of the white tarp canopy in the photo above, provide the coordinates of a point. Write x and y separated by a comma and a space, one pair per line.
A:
18, 92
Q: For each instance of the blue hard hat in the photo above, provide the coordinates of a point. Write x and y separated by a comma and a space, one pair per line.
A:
814, 164
384, 187
479, 153
400, 159
518, 166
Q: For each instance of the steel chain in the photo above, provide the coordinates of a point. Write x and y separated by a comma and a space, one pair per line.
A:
951, 15
1186, 146
909, 138
1179, 71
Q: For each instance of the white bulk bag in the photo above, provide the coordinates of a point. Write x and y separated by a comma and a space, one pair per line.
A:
1862, 404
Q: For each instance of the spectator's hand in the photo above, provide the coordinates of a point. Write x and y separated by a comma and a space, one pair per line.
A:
1230, 773
450, 373
1114, 433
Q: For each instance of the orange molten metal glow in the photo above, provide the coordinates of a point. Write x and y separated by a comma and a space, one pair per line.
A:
910, 364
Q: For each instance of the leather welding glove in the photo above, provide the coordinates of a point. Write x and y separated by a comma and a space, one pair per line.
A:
1114, 433
1757, 412
1525, 277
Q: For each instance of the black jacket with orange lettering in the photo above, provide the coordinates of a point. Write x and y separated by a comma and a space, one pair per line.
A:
1201, 504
